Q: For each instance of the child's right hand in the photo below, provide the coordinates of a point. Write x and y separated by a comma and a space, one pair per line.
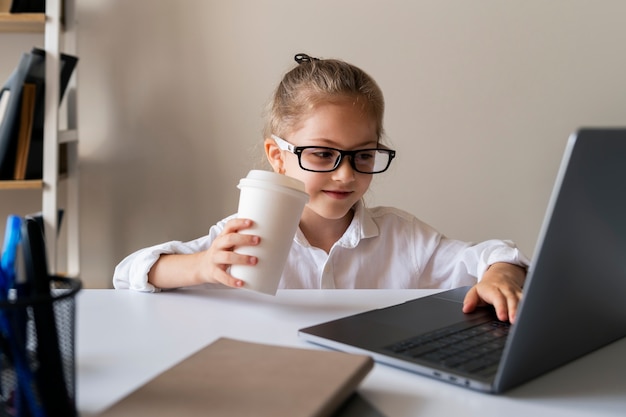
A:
216, 260
182, 270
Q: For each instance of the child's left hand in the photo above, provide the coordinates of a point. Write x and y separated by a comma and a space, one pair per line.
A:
500, 286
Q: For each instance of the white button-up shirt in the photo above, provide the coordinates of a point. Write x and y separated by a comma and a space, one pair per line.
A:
383, 247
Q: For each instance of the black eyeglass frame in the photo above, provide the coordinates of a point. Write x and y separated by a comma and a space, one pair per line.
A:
297, 150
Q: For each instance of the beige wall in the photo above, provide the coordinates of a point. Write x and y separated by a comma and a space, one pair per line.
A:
481, 96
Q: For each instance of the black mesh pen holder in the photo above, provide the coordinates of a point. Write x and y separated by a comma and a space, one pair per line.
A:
37, 356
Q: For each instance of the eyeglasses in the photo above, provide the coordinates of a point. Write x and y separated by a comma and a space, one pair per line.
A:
325, 159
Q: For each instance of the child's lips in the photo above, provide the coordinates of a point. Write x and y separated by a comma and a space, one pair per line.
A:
338, 194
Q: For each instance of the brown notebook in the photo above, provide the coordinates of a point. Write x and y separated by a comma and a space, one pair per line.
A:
236, 378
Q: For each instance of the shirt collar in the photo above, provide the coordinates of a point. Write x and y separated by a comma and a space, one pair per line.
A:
362, 226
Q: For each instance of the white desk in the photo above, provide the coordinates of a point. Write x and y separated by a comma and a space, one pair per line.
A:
126, 338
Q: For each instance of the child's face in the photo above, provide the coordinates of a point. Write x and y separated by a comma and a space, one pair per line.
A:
338, 125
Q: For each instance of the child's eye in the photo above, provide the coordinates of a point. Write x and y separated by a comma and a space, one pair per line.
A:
323, 154
365, 156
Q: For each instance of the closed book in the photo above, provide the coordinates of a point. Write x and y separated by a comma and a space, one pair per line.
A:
25, 130
10, 105
28, 6
37, 73
231, 378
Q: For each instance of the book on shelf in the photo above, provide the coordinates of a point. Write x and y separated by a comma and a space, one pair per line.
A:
28, 6
5, 95
34, 166
31, 69
25, 130
5, 6
11, 101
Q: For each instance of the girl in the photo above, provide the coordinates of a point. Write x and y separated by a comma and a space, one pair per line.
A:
324, 128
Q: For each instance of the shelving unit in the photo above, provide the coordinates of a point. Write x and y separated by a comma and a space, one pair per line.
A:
53, 30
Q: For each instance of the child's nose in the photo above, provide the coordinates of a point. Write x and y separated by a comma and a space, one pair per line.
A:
344, 171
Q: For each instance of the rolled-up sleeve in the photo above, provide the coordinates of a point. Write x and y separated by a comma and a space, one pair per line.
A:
132, 271
455, 263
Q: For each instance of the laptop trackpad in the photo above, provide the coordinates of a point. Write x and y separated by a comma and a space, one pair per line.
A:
429, 313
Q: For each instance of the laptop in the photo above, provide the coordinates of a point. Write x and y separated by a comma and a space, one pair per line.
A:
574, 299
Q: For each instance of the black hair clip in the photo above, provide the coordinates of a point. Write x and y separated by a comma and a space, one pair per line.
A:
300, 58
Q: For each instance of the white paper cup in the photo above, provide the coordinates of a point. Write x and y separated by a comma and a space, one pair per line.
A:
274, 202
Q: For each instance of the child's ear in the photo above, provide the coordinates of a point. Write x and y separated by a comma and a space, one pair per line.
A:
274, 155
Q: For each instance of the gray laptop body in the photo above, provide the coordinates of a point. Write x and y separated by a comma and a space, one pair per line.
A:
574, 298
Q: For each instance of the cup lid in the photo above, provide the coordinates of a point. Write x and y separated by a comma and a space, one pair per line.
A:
275, 178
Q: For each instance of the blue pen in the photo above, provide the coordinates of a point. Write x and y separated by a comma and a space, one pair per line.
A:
9, 251
4, 287
3, 337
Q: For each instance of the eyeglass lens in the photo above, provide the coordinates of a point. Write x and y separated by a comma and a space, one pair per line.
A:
324, 159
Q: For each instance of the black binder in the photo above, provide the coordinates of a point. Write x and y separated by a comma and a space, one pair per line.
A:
28, 6
37, 74
11, 99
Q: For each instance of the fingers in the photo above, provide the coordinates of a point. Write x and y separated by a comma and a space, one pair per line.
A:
222, 253
225, 259
471, 300
230, 238
228, 280
504, 306
512, 303
227, 243
237, 224
500, 286
504, 300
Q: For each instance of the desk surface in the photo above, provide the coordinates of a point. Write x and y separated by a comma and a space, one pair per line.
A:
126, 338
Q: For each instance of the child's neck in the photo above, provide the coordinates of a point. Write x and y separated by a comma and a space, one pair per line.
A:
321, 232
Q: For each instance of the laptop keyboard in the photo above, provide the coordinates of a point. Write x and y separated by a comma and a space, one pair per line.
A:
474, 350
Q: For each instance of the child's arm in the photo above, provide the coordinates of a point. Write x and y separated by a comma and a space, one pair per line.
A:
209, 266
500, 286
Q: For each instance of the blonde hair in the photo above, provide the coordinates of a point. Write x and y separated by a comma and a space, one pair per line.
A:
315, 81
